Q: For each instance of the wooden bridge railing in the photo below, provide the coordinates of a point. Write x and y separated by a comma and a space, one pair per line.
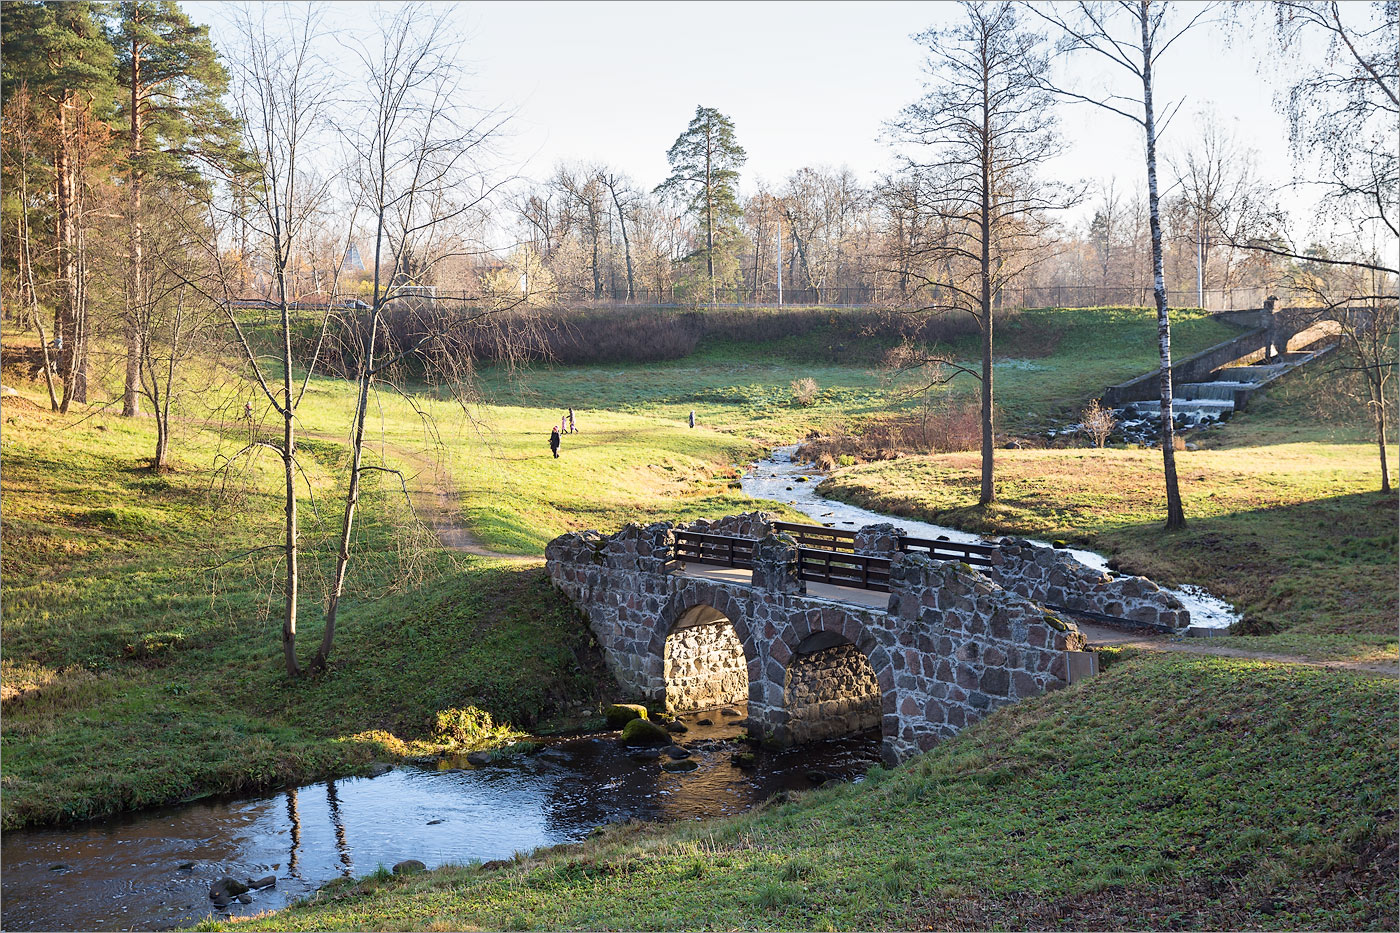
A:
843, 569
819, 537
694, 547
977, 555
824, 555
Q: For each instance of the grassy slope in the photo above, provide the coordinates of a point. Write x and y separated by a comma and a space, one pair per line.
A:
1283, 519
1049, 359
1169, 792
135, 675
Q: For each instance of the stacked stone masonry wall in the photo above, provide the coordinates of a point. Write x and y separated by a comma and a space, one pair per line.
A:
951, 646
1046, 575
704, 667
831, 692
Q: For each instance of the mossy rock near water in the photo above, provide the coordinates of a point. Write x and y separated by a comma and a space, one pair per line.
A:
644, 732
620, 714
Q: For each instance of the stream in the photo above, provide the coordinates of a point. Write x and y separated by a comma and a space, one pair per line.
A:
783, 479
152, 869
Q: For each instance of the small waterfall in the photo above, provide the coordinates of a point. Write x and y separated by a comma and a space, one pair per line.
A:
1219, 391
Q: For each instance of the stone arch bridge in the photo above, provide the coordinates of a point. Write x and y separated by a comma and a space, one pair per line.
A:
826, 632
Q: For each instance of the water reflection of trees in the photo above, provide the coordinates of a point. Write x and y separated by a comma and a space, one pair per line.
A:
342, 846
294, 857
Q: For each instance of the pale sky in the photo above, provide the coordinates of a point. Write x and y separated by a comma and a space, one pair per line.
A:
806, 83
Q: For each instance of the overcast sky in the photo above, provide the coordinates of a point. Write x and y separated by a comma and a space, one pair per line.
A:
806, 83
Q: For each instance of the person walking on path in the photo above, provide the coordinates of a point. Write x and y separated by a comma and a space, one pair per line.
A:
692, 417
572, 429
554, 442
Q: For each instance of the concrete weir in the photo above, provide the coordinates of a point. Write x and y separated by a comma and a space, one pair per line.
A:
945, 646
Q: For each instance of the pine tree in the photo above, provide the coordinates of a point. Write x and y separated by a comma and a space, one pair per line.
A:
57, 51
705, 162
171, 82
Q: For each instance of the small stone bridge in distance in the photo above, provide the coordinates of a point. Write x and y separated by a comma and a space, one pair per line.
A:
826, 632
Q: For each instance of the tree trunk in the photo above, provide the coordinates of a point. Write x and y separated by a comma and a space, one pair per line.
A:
63, 235
26, 258
131, 399
352, 497
1378, 392
709, 220
289, 619
626, 245
987, 494
1176, 516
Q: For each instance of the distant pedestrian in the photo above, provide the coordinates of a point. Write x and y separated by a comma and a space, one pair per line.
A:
692, 417
247, 411
572, 429
554, 442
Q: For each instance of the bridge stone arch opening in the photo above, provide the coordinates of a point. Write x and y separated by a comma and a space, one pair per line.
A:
703, 661
830, 689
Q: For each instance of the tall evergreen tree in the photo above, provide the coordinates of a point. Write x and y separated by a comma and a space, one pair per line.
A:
171, 82
59, 52
705, 162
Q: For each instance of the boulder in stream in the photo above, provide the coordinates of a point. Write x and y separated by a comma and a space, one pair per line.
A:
620, 714
685, 764
227, 887
266, 881
644, 732
676, 752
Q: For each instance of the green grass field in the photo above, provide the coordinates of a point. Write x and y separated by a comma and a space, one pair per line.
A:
1050, 362
1241, 795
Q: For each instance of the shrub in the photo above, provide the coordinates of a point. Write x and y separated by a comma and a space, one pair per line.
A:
466, 727
1098, 422
804, 391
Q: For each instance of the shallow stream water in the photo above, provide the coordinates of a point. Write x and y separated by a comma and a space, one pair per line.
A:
786, 480
152, 869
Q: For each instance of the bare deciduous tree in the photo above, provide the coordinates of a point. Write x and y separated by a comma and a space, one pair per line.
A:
279, 97
986, 126
1133, 36
417, 168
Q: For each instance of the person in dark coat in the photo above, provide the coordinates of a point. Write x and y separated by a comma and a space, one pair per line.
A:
572, 429
554, 441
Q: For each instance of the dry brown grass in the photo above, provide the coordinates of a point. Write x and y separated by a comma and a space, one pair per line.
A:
952, 426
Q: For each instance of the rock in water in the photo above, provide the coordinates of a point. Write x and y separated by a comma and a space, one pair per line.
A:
730, 712
705, 722
675, 725
675, 751
227, 887
477, 759
408, 866
265, 882
620, 714
646, 754
644, 732
245, 898
685, 764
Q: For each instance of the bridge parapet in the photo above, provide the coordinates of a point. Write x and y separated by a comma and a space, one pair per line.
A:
1053, 577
